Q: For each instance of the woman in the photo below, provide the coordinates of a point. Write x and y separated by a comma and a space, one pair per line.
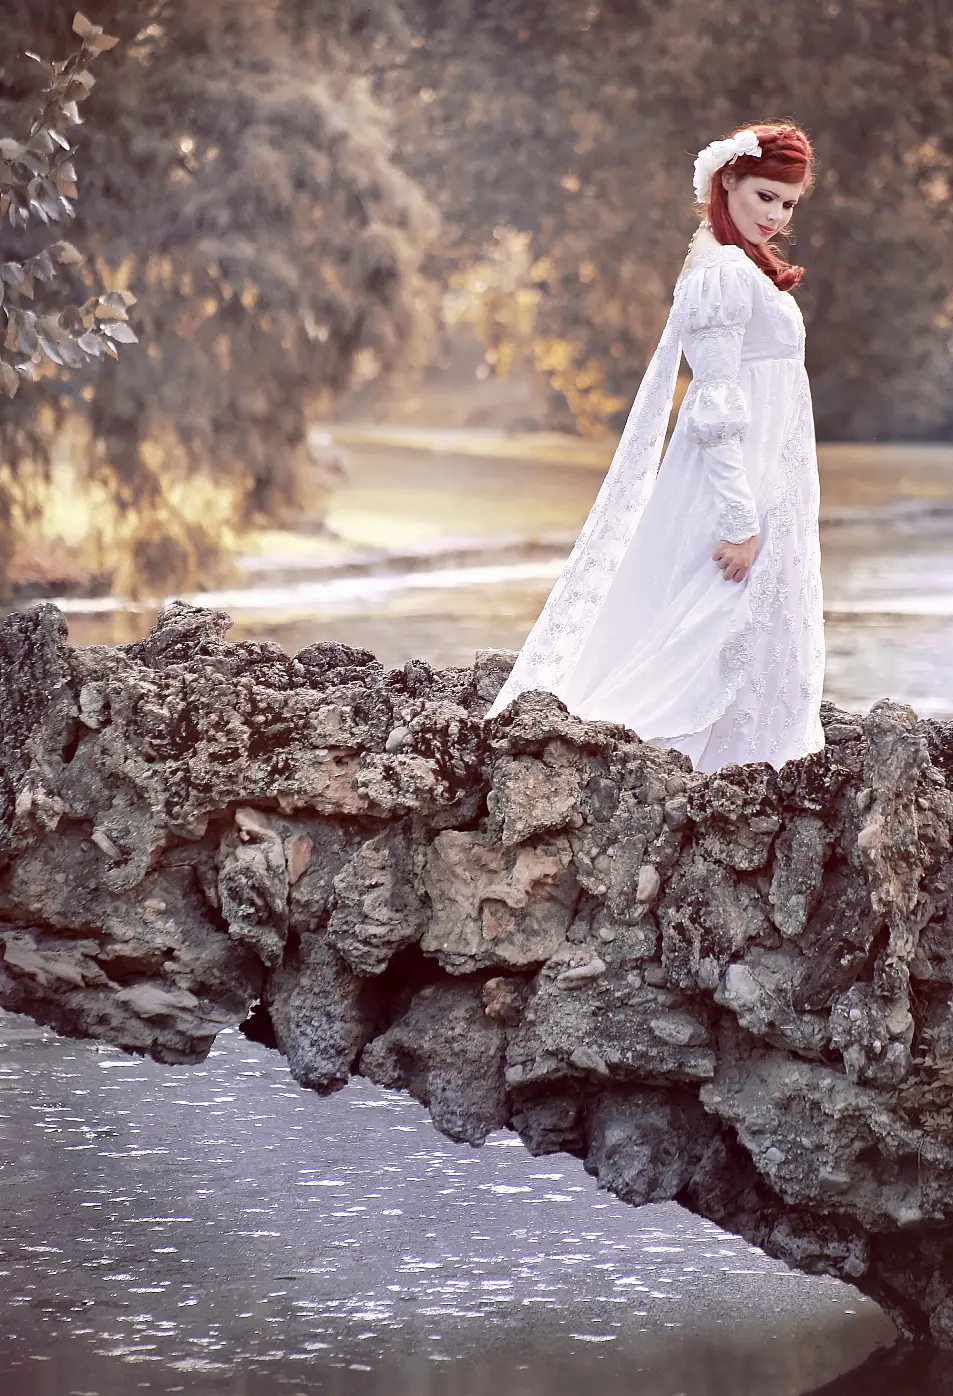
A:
690, 608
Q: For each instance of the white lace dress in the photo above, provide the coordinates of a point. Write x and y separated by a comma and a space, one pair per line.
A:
641, 627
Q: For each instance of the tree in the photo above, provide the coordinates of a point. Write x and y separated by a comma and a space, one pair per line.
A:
38, 181
576, 121
251, 198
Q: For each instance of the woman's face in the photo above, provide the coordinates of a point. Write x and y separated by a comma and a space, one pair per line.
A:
759, 208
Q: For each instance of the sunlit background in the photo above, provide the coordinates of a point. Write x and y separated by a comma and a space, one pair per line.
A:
399, 266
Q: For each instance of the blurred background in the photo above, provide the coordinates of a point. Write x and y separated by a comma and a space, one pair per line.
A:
400, 265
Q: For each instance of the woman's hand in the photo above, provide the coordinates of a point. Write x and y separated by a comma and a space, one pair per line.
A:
735, 559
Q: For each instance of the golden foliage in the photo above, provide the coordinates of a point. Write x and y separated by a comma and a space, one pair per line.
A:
500, 298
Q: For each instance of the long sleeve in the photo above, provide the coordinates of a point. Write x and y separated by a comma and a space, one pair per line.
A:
719, 307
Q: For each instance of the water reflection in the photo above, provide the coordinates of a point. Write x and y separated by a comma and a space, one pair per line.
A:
219, 1230
916, 1372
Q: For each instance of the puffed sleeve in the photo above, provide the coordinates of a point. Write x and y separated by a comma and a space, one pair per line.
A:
719, 304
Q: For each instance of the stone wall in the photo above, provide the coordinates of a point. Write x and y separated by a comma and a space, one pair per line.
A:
731, 990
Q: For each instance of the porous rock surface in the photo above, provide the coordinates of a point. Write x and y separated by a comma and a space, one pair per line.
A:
731, 990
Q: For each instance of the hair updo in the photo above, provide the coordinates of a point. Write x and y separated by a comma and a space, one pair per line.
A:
786, 156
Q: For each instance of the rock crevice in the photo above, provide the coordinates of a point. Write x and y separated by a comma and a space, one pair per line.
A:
733, 990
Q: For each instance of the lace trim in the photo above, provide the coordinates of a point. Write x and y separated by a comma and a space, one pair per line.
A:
727, 409
737, 522
714, 331
717, 254
718, 435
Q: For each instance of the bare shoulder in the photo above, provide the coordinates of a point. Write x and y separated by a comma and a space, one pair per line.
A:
703, 241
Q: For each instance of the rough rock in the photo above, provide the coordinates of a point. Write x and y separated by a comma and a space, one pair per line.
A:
733, 990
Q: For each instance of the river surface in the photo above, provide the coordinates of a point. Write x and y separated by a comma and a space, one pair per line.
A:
886, 539
219, 1230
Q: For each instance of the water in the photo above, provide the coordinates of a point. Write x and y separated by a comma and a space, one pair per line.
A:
217, 1229
220, 1231
887, 545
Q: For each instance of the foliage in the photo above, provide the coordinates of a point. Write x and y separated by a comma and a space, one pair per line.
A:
242, 179
38, 181
576, 122
240, 169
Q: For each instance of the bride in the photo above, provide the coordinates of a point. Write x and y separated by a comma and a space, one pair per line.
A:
690, 607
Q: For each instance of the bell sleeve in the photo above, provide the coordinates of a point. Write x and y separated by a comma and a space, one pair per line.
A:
718, 412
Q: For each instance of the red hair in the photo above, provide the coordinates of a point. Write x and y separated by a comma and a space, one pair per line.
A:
786, 156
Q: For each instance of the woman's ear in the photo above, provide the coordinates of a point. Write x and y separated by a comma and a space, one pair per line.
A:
728, 180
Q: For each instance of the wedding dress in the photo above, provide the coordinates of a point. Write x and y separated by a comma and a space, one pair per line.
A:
641, 627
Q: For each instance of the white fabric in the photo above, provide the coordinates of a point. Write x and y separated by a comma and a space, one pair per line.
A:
641, 627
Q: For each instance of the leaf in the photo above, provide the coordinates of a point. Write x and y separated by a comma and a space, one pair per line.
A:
60, 139
27, 341
11, 381
79, 87
51, 352
84, 27
10, 150
41, 266
44, 194
71, 111
69, 351
110, 349
70, 320
36, 163
102, 43
116, 301
67, 255
92, 345
26, 287
123, 333
41, 143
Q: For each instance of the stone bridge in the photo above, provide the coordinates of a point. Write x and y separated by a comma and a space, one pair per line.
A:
730, 990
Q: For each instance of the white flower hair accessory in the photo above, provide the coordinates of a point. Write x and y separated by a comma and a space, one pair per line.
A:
720, 153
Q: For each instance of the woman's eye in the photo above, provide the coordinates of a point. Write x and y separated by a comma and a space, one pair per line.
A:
765, 197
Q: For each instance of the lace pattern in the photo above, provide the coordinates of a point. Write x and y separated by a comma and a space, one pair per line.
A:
737, 522
770, 653
550, 650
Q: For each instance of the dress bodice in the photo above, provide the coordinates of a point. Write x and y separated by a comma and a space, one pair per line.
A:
771, 320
